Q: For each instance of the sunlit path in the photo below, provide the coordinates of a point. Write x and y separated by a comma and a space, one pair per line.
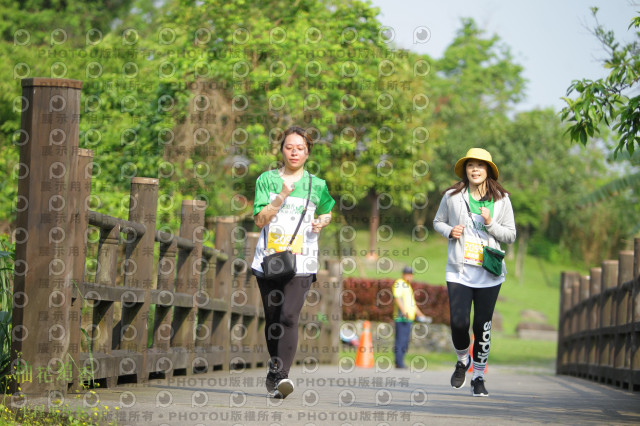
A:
327, 396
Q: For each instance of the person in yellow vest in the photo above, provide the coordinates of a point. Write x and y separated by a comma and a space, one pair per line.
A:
405, 311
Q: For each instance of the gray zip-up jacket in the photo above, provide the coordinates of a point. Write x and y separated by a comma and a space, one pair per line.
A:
453, 211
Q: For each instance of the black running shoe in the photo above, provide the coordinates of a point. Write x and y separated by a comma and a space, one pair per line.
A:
477, 387
271, 382
272, 377
459, 378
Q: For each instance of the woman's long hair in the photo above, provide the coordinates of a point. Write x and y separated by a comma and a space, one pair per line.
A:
495, 191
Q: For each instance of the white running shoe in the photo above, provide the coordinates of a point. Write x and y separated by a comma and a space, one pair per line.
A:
283, 389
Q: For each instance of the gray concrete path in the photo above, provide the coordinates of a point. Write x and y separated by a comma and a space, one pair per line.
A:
329, 395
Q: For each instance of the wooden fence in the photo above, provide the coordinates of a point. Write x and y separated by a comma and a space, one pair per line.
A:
599, 329
151, 303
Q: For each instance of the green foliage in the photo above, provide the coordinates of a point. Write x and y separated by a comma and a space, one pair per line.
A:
198, 98
479, 83
608, 101
7, 256
37, 22
196, 93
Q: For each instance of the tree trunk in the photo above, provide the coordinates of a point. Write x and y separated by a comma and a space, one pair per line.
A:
373, 226
522, 251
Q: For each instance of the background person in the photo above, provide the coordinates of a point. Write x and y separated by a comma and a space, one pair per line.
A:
405, 311
489, 222
279, 200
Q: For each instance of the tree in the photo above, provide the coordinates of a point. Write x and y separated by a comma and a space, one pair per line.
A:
612, 100
325, 65
478, 82
549, 180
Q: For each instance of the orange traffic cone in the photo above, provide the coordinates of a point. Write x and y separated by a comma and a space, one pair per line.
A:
364, 356
470, 370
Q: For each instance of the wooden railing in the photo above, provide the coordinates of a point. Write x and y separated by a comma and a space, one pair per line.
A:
599, 329
150, 303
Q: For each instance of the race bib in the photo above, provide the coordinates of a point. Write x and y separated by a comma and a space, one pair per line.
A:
473, 251
278, 241
475, 235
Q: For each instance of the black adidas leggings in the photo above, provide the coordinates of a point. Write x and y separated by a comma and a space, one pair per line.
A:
484, 301
282, 306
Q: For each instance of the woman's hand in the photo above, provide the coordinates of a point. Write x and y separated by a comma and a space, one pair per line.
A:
287, 188
486, 215
456, 232
319, 223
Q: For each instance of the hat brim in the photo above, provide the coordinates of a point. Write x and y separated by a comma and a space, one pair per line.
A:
459, 167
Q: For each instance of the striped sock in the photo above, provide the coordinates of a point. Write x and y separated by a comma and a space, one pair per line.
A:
478, 369
463, 355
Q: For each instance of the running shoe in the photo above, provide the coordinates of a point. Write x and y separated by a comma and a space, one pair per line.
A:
477, 387
272, 377
459, 377
283, 389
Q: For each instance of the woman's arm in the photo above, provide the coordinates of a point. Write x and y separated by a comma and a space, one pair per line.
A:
270, 210
503, 228
320, 222
441, 221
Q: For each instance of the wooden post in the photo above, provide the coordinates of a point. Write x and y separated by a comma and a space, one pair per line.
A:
101, 333
594, 292
162, 331
44, 265
259, 342
80, 199
253, 301
593, 310
621, 359
138, 274
206, 358
188, 282
583, 323
220, 336
575, 299
583, 319
625, 275
334, 294
634, 384
609, 283
564, 329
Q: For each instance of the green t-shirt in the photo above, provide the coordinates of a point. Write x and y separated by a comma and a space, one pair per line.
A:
475, 205
278, 232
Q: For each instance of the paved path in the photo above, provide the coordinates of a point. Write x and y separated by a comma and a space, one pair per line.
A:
325, 395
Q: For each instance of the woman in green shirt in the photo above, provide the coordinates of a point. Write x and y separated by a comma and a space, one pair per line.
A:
280, 198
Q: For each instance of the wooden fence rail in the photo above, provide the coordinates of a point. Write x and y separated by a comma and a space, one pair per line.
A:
150, 303
599, 329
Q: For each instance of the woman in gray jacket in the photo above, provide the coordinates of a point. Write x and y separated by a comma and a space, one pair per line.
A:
474, 212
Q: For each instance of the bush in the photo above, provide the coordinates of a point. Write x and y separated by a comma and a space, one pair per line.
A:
372, 299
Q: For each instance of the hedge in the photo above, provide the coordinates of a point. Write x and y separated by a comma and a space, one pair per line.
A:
372, 299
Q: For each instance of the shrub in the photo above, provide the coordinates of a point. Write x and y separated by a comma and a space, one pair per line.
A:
372, 299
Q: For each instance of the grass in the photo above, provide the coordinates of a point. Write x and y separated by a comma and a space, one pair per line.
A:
57, 414
537, 289
506, 350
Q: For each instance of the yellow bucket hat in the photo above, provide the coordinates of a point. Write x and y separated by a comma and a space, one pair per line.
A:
476, 154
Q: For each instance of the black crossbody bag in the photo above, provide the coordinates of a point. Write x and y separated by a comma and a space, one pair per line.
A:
491, 257
281, 266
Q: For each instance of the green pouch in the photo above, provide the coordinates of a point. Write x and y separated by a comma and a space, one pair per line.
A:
492, 260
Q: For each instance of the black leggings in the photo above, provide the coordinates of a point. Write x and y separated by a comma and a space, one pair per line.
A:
282, 306
484, 301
